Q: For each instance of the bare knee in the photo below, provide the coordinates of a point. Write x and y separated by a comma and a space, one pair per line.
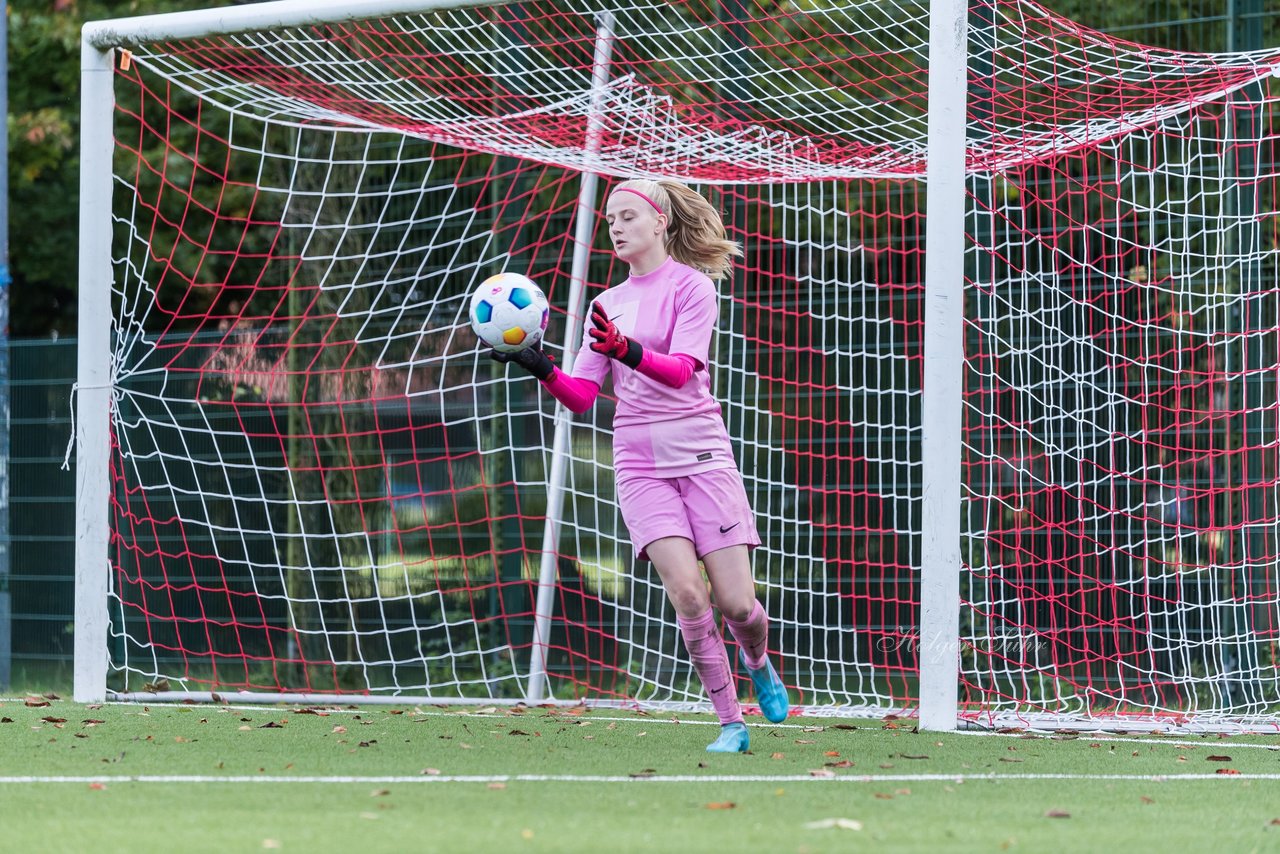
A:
689, 600
737, 610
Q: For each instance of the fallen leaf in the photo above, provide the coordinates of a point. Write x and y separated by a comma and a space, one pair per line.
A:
721, 805
648, 772
1146, 800
1217, 758
1057, 814
821, 772
271, 725
431, 772
812, 729
913, 755
777, 756
834, 823
832, 753
97, 787
883, 796
497, 785
6, 720
1010, 759
1226, 771
338, 728
35, 703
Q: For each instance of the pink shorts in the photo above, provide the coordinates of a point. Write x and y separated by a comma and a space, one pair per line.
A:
709, 508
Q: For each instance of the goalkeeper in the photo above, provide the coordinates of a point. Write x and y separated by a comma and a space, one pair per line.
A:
681, 495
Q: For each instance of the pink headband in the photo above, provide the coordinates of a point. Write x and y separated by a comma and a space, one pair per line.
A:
651, 202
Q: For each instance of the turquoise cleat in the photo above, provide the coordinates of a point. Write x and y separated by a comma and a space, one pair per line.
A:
770, 692
733, 739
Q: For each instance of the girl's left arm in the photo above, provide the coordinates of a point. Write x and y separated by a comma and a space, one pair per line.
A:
673, 370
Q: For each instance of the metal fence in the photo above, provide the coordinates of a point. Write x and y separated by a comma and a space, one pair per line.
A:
42, 519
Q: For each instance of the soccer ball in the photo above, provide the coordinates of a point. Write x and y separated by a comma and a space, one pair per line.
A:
509, 312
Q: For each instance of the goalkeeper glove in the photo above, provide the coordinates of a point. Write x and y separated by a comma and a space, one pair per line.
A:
532, 359
612, 343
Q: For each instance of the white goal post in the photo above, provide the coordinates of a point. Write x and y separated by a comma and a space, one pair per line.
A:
997, 363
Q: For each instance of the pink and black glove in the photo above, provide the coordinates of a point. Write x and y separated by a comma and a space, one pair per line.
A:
532, 359
612, 343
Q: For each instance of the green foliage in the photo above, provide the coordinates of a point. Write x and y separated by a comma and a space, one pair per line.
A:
44, 166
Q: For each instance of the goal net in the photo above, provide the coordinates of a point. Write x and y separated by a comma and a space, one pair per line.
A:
320, 486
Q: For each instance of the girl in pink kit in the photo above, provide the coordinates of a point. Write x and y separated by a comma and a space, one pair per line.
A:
681, 495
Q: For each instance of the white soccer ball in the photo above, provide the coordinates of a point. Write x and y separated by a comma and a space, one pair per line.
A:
509, 312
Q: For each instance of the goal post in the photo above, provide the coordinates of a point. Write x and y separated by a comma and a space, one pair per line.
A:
997, 363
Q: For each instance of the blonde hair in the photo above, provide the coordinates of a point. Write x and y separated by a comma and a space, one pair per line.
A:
695, 231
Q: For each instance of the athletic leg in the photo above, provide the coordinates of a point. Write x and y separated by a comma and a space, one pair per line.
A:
677, 566
730, 572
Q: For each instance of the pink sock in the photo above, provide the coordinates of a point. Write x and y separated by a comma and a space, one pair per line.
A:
710, 658
752, 635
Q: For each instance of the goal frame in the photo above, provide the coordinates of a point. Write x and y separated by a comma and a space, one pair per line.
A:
941, 404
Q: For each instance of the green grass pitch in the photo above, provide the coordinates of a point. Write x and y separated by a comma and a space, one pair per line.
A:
361, 780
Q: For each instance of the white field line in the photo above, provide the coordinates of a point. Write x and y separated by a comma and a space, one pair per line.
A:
678, 778
673, 718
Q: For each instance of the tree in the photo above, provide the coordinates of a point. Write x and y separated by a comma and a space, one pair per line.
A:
44, 164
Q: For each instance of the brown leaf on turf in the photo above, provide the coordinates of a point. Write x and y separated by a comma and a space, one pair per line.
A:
497, 785
842, 726
1057, 814
1226, 771
812, 729
431, 772
721, 805
370, 743
338, 728
883, 796
843, 763
1010, 759
1218, 758
91, 722
803, 741
913, 755
1147, 800
6, 720
379, 793
832, 753
648, 772
49, 719
271, 725
1275, 822
97, 787
821, 772
35, 703
777, 756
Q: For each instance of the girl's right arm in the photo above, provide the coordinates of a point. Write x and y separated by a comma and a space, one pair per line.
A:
574, 392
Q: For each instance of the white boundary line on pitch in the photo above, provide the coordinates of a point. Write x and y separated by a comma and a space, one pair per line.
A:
678, 778
671, 718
